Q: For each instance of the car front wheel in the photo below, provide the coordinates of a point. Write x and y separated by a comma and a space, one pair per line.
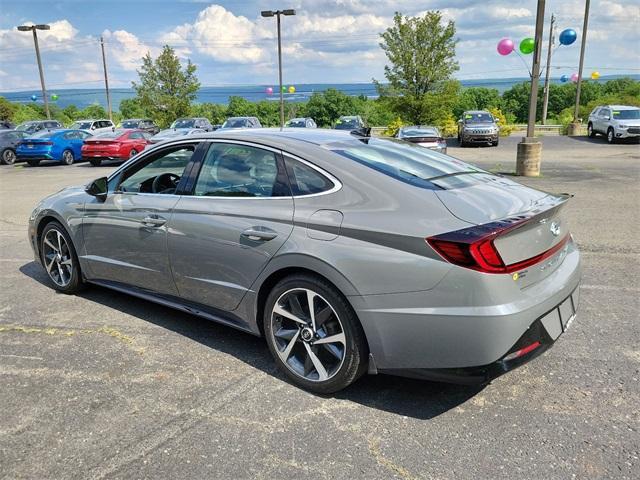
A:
314, 335
59, 259
590, 132
611, 138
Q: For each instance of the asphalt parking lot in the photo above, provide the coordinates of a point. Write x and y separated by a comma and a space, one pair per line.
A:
103, 385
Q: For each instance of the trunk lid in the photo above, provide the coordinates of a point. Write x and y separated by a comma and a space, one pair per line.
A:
530, 221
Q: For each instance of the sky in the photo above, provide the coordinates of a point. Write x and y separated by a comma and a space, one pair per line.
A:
328, 41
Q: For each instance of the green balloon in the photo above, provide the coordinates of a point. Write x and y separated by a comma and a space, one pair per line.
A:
54, 97
527, 46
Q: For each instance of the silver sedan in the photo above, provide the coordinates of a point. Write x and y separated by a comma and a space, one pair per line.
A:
349, 254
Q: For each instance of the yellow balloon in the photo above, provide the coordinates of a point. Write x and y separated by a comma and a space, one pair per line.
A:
595, 75
292, 89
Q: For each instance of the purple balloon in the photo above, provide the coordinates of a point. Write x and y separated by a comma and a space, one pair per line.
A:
574, 77
505, 46
269, 90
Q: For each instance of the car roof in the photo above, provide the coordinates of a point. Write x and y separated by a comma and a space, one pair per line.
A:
477, 111
286, 136
622, 107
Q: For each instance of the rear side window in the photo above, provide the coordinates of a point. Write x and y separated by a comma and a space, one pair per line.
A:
306, 180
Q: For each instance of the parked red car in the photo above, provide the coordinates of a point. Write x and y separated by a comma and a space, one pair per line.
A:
118, 145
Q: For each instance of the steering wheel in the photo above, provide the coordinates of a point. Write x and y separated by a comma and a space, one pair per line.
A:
165, 183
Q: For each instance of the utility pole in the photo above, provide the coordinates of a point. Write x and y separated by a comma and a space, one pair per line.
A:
529, 149
278, 13
576, 112
106, 79
545, 102
33, 28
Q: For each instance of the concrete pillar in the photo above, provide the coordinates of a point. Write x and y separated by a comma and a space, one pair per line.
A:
528, 157
574, 129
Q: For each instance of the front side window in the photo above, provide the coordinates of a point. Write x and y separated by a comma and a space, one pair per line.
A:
159, 173
231, 170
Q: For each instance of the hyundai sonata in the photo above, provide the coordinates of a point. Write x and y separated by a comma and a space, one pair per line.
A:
349, 254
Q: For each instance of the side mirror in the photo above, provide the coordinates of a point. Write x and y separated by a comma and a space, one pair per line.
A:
93, 127
98, 188
607, 117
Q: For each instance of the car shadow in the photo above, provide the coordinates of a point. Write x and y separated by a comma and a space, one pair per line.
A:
402, 396
601, 140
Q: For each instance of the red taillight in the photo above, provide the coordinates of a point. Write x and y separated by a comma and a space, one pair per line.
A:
46, 143
474, 248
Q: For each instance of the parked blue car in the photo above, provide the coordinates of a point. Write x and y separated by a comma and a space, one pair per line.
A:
58, 145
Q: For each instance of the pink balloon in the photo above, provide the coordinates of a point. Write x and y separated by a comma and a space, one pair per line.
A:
505, 46
269, 90
574, 77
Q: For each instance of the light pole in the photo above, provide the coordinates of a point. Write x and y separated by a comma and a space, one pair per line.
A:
574, 127
277, 13
106, 79
33, 28
545, 102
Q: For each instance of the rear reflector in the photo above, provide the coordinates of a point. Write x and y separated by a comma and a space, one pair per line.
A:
522, 351
474, 247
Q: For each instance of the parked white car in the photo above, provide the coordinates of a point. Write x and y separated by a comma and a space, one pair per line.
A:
614, 121
93, 126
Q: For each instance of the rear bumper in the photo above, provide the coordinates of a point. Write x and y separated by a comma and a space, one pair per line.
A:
460, 326
34, 156
543, 333
90, 156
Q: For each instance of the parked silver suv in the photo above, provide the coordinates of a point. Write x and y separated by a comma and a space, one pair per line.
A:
614, 121
478, 126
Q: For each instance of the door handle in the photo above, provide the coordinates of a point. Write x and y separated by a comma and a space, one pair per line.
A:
153, 221
257, 234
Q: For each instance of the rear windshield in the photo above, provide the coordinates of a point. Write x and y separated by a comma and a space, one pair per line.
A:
347, 123
130, 124
626, 114
113, 134
26, 126
42, 134
406, 162
183, 123
300, 122
419, 132
236, 123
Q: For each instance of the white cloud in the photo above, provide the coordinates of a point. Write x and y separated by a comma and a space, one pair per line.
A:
126, 49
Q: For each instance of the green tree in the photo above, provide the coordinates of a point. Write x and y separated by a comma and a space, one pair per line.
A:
421, 52
476, 98
131, 108
216, 113
7, 109
166, 88
325, 107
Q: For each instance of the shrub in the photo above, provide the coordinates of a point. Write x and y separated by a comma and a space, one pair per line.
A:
505, 128
393, 128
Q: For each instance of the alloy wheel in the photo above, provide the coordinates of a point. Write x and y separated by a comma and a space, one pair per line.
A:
308, 335
610, 136
67, 157
9, 157
133, 153
57, 257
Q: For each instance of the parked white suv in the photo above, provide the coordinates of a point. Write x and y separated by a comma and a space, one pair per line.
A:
93, 126
614, 121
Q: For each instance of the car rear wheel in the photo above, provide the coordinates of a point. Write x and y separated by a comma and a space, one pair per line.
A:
59, 259
95, 162
313, 334
133, 153
8, 157
610, 136
67, 157
590, 132
33, 162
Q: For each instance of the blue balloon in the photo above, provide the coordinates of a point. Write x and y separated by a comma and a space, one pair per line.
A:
34, 98
564, 78
568, 36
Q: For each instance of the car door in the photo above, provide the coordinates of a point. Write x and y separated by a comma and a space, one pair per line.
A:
76, 139
125, 237
238, 216
603, 119
137, 141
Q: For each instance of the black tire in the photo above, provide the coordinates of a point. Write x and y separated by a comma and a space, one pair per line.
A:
496, 143
67, 157
95, 162
133, 152
75, 283
461, 142
355, 350
590, 131
8, 157
33, 163
611, 138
